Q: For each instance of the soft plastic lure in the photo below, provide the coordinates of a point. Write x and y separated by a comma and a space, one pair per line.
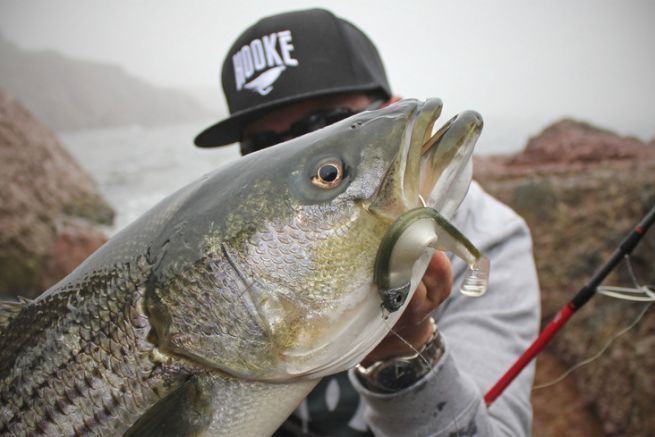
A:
407, 239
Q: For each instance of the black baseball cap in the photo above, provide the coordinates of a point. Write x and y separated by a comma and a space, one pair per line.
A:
290, 57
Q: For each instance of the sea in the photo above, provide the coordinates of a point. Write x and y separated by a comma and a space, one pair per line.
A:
135, 167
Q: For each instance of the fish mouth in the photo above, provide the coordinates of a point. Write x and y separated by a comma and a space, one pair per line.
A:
433, 169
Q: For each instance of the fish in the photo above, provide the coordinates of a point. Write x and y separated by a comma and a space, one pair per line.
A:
217, 312
263, 84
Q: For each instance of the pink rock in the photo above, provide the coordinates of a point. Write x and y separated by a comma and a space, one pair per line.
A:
41, 187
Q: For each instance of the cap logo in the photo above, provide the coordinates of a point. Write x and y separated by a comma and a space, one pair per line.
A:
262, 54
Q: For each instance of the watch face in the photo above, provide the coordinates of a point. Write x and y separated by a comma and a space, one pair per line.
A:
397, 375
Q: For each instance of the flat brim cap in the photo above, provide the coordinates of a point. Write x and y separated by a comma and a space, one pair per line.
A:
288, 58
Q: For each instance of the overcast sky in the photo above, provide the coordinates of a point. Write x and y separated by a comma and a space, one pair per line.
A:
591, 59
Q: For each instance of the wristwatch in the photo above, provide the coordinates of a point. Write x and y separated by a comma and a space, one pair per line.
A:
397, 373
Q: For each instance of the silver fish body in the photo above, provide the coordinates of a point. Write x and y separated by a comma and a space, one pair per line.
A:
219, 310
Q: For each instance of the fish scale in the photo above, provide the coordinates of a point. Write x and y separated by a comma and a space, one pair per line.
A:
92, 375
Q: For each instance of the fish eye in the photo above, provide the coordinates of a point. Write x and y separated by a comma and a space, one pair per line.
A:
328, 174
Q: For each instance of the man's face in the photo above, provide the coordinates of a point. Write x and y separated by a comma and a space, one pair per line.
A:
283, 120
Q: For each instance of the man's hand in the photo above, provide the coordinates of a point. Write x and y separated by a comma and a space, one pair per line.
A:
414, 325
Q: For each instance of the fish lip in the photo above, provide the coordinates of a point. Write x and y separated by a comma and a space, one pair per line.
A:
430, 160
419, 126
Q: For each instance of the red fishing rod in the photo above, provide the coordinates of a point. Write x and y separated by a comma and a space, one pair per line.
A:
582, 297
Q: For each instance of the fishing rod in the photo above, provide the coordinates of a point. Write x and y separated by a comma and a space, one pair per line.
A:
582, 297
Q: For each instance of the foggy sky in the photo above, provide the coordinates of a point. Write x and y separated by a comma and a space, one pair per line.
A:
591, 59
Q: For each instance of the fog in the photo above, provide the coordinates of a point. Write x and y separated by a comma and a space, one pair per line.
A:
521, 62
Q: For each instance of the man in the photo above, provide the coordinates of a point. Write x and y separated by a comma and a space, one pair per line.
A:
293, 73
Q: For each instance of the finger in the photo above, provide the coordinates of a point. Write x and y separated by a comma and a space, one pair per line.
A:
413, 338
418, 309
433, 289
438, 278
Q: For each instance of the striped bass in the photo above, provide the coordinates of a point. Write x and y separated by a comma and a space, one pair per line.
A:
218, 311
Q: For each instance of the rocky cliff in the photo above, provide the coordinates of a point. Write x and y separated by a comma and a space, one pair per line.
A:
582, 189
49, 207
68, 94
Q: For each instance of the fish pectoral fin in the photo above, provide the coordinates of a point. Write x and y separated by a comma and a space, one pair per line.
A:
183, 412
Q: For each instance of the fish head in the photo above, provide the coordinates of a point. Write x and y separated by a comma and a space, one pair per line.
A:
288, 289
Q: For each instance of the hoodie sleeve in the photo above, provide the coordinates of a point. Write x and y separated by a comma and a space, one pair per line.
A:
482, 336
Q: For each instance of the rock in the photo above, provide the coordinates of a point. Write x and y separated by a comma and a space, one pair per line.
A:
560, 411
581, 190
44, 196
67, 93
570, 141
75, 241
